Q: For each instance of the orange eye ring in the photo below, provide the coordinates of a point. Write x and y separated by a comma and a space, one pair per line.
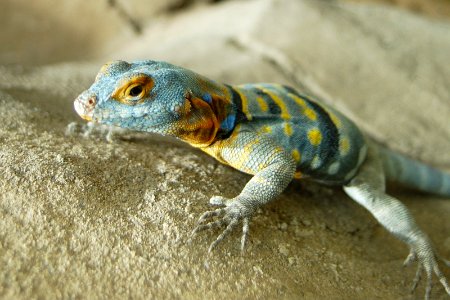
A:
133, 90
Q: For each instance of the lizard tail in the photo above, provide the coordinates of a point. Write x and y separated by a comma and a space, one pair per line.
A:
413, 174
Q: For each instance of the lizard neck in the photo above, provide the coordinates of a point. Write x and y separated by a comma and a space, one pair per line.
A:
208, 118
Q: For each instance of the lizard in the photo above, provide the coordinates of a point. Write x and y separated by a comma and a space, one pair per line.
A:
272, 132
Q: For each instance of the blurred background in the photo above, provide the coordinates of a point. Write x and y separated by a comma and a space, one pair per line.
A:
46, 31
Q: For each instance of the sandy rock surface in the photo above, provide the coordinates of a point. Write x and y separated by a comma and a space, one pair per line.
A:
87, 218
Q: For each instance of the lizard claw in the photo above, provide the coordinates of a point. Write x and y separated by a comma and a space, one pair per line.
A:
210, 214
245, 230
426, 261
228, 216
233, 223
212, 224
445, 261
412, 257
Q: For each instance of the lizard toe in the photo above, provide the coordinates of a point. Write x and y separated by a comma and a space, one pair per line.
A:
245, 230
233, 223
412, 257
210, 225
210, 214
426, 262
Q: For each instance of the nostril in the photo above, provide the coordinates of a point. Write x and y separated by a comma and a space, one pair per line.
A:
91, 101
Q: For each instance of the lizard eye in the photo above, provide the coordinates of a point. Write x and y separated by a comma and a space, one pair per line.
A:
135, 90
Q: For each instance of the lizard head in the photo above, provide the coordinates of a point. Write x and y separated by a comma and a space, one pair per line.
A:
150, 96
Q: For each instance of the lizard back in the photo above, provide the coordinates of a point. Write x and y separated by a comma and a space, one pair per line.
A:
324, 143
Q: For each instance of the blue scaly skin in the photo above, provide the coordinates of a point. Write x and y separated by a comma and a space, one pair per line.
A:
272, 132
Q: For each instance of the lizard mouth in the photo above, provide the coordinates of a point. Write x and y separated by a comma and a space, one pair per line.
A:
85, 107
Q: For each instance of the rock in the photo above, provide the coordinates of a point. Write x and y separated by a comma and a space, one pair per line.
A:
86, 218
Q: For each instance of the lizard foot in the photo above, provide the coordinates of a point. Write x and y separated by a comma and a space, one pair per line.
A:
426, 259
229, 216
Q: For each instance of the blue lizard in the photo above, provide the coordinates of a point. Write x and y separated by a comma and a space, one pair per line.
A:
272, 132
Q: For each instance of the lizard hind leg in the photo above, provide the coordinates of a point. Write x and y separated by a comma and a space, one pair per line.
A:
367, 188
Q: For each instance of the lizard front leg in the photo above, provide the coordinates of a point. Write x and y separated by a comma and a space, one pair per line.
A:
367, 188
273, 169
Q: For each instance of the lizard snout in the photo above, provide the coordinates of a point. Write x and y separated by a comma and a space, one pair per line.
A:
84, 105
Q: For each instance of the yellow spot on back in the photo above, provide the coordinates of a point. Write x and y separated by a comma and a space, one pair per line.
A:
335, 119
344, 145
287, 129
296, 155
284, 111
266, 129
262, 104
315, 136
300, 102
309, 113
226, 92
244, 101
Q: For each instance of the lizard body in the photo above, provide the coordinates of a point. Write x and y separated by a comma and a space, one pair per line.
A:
270, 131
